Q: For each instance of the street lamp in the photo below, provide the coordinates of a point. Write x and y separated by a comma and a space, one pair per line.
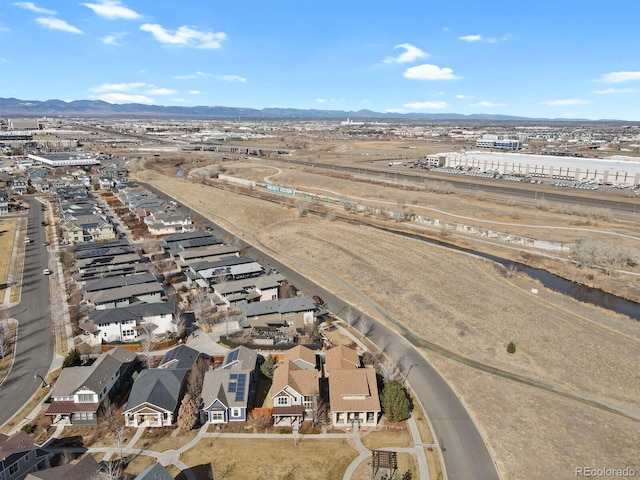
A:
44, 383
408, 372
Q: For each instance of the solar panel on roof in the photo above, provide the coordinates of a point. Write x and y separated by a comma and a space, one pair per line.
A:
233, 356
240, 388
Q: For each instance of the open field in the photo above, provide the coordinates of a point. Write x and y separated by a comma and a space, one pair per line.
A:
256, 460
469, 307
7, 238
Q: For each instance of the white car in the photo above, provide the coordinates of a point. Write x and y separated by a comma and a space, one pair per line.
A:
46, 271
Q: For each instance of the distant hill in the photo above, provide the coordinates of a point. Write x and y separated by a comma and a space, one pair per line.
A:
97, 108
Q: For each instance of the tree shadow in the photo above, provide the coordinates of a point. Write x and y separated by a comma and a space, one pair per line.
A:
201, 472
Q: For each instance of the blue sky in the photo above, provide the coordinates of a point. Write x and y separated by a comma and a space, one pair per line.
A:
552, 59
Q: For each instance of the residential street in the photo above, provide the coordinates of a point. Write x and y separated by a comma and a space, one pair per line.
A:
34, 349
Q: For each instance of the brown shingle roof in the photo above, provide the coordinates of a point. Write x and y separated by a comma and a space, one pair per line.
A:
305, 382
301, 352
354, 390
341, 357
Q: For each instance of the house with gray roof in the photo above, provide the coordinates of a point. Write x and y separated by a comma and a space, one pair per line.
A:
294, 312
169, 222
126, 295
154, 472
19, 455
157, 392
155, 397
85, 468
122, 324
116, 282
247, 290
228, 392
80, 391
231, 267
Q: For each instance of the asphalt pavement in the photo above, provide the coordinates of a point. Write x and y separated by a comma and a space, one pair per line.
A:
35, 343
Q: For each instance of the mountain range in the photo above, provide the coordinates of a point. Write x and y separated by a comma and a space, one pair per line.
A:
98, 108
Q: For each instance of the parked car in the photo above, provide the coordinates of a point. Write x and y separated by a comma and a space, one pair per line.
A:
46, 271
45, 244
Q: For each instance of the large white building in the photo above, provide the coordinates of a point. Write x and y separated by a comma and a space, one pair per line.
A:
501, 142
614, 169
66, 159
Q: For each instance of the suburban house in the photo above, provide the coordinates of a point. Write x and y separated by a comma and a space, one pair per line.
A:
295, 387
210, 253
254, 289
127, 295
19, 456
19, 185
123, 324
88, 230
353, 390
228, 392
84, 469
157, 392
80, 391
154, 472
4, 204
294, 312
164, 223
189, 240
226, 268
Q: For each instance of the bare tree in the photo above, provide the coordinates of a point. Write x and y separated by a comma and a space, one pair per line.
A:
388, 369
351, 317
111, 470
319, 412
4, 337
188, 413
224, 471
147, 342
111, 417
201, 305
365, 326
196, 378
261, 421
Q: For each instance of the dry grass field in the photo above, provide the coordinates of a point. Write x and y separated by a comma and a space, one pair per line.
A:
256, 460
7, 239
469, 307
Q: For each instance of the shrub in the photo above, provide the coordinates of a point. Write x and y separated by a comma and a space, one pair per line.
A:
395, 401
511, 348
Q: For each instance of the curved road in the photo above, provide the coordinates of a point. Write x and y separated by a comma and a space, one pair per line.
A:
465, 452
34, 349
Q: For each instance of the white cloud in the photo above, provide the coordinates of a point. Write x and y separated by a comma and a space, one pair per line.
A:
480, 38
619, 77
194, 92
4, 29
565, 101
321, 100
192, 75
471, 38
232, 78
34, 8
185, 36
426, 105
57, 24
608, 91
429, 72
410, 54
161, 91
112, 38
118, 87
112, 10
124, 98
462, 97
487, 104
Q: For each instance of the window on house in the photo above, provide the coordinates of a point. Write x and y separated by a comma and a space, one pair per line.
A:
26, 457
217, 416
371, 417
340, 417
283, 401
86, 397
13, 469
235, 412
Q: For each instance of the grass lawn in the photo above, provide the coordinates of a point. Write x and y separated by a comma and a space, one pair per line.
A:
433, 460
388, 438
252, 459
138, 464
7, 238
162, 439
